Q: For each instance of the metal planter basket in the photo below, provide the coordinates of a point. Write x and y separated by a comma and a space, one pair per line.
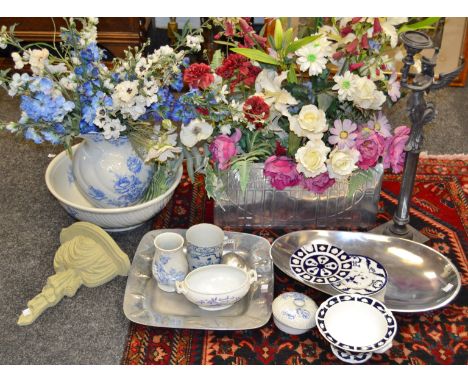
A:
261, 205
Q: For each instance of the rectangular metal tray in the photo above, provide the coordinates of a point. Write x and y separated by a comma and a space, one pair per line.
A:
144, 303
419, 278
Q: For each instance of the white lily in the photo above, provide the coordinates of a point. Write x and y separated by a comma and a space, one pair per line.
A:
268, 84
388, 26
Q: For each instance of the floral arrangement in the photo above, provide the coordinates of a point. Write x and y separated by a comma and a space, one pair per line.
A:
309, 108
70, 91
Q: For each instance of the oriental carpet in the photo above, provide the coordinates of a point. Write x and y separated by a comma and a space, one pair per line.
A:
439, 210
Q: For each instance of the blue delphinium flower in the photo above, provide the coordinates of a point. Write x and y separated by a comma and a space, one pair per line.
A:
374, 45
43, 107
51, 137
32, 135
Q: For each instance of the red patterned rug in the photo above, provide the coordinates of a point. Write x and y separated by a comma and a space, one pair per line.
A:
440, 211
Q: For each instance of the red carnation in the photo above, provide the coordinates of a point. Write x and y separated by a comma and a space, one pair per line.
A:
256, 110
198, 76
237, 69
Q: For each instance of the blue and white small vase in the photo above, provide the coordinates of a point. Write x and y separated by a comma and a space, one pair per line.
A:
169, 262
109, 173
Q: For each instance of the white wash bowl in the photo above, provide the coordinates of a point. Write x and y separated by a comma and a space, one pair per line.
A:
61, 184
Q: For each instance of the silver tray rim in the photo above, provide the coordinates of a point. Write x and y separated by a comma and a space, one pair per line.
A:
332, 292
256, 322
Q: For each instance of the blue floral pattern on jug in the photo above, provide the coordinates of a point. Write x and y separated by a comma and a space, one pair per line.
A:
202, 256
130, 189
70, 176
134, 164
96, 194
166, 276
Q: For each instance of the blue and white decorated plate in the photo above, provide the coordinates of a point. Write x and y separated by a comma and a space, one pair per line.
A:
320, 263
366, 277
356, 323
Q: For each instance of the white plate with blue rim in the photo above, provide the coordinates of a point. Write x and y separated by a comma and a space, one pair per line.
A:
320, 263
367, 277
356, 323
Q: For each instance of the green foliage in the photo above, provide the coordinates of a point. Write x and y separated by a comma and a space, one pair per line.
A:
357, 179
300, 43
324, 101
292, 77
242, 167
217, 59
427, 23
278, 34
257, 55
294, 142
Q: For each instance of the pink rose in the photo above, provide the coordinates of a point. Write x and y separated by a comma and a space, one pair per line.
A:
223, 148
282, 172
371, 147
318, 184
395, 154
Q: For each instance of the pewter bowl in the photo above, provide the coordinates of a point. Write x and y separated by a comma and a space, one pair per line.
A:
419, 278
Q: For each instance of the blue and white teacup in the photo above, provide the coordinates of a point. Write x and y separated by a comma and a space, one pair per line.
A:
204, 245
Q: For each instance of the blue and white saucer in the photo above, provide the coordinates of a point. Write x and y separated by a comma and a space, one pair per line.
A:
350, 357
367, 277
320, 263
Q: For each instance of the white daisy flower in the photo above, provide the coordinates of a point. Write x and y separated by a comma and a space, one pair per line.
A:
345, 85
311, 58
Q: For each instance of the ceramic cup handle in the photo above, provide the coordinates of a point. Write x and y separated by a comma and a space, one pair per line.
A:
252, 276
180, 287
384, 349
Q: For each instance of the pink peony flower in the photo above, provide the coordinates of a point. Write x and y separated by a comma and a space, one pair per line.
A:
371, 147
394, 156
223, 148
282, 172
318, 184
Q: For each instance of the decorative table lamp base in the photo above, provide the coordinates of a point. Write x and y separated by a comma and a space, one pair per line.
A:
412, 233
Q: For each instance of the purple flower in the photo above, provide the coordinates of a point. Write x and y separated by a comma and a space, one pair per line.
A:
282, 172
318, 184
395, 149
223, 148
380, 125
371, 147
342, 134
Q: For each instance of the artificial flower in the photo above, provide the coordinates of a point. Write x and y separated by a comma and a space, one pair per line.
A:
342, 162
281, 172
380, 125
311, 158
256, 110
198, 76
223, 148
370, 148
194, 42
393, 87
238, 70
345, 85
366, 95
313, 57
342, 134
196, 131
311, 122
395, 154
268, 84
318, 184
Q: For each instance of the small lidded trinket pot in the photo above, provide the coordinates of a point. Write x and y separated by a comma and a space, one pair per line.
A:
294, 313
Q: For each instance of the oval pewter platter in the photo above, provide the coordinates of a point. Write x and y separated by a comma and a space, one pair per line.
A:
419, 278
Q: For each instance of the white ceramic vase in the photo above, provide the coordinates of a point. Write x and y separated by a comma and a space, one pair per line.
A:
109, 173
169, 262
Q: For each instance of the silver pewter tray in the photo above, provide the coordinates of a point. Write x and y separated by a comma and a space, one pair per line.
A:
420, 278
144, 303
